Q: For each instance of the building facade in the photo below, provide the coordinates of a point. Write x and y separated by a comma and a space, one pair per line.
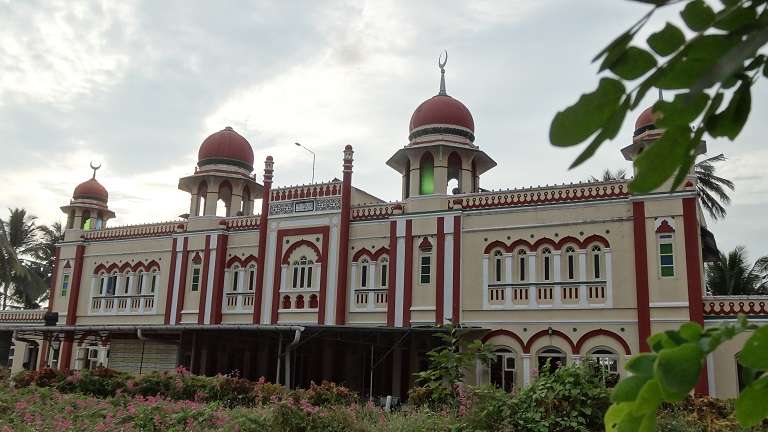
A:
329, 282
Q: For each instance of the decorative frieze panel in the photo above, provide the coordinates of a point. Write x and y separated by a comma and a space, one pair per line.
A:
136, 231
719, 306
541, 195
282, 208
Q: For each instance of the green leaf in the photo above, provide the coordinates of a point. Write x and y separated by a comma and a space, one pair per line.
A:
633, 63
614, 50
667, 40
755, 63
649, 398
649, 423
609, 131
660, 160
641, 364
698, 16
615, 414
732, 20
631, 422
677, 369
628, 388
683, 110
751, 406
755, 351
730, 121
691, 331
765, 70
577, 122
696, 60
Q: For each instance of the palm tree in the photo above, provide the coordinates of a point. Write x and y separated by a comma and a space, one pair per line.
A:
712, 188
45, 251
609, 175
732, 275
18, 271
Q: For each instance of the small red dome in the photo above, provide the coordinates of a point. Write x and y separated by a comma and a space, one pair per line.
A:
226, 146
442, 109
91, 189
646, 118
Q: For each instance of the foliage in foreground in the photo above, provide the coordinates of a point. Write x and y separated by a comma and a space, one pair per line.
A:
671, 371
718, 57
732, 275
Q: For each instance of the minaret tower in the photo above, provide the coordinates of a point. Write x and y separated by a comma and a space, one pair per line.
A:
440, 150
88, 208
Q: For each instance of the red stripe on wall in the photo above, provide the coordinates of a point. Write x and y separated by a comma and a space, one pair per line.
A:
641, 275
171, 280
693, 270
74, 294
456, 312
204, 282
408, 274
218, 278
440, 272
182, 279
391, 277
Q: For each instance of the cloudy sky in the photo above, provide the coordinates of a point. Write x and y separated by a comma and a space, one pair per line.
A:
139, 85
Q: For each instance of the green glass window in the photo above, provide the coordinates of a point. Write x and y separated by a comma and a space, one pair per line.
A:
64, 285
427, 175
426, 269
666, 256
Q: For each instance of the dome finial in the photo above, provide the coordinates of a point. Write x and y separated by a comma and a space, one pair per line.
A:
441, 61
94, 167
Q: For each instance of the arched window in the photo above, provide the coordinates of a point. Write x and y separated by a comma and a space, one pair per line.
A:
547, 257
202, 195
550, 359
112, 284
139, 282
126, 284
384, 270
407, 179
153, 282
454, 174
596, 252
302, 273
521, 254
364, 268
497, 265
427, 174
606, 358
245, 206
570, 254
475, 179
251, 277
224, 202
502, 368
235, 278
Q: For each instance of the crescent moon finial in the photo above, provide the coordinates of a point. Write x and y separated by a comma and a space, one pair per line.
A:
95, 167
442, 60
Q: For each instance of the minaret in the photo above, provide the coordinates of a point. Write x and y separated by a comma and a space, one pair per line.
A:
88, 208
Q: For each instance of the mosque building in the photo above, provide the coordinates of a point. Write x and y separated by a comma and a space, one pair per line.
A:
327, 282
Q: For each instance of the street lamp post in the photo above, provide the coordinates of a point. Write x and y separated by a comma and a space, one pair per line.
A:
313, 160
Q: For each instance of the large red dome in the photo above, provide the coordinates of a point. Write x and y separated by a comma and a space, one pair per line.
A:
645, 119
91, 189
227, 147
442, 110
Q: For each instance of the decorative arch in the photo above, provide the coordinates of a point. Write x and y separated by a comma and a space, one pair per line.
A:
426, 174
520, 242
602, 332
548, 332
296, 245
568, 239
544, 241
595, 238
496, 244
243, 262
373, 256
503, 332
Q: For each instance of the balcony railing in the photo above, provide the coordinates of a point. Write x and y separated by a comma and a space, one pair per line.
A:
299, 300
370, 299
238, 301
113, 305
547, 294
718, 306
22, 316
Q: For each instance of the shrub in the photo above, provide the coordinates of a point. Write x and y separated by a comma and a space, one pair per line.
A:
23, 378
701, 414
48, 377
325, 394
101, 382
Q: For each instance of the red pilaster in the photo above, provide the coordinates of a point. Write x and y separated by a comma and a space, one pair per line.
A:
693, 270
182, 279
346, 195
263, 230
54, 278
456, 312
641, 275
171, 280
74, 293
218, 278
65, 354
408, 274
440, 272
392, 276
204, 281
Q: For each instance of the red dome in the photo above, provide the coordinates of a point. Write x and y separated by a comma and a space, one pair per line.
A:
646, 118
91, 189
442, 109
226, 146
